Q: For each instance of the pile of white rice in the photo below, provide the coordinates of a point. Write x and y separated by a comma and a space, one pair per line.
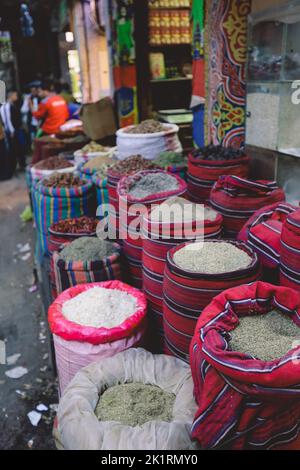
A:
99, 307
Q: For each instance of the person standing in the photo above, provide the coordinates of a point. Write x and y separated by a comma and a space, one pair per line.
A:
31, 101
11, 118
52, 110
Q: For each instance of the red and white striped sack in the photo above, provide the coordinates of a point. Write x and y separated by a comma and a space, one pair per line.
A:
158, 239
202, 174
131, 222
237, 199
187, 293
290, 252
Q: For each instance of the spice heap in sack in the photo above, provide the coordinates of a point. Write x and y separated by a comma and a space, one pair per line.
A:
59, 197
207, 164
65, 231
290, 252
47, 167
149, 138
145, 188
133, 400
237, 199
93, 147
174, 162
53, 163
167, 225
263, 231
135, 404
149, 126
130, 166
66, 180
195, 273
245, 366
86, 259
93, 321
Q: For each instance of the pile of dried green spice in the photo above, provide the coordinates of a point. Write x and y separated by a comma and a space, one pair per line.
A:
267, 337
134, 404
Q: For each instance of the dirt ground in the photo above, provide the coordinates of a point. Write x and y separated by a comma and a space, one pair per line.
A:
23, 328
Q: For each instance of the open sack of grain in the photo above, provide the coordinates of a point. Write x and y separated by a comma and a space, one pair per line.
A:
245, 364
161, 420
119, 170
149, 138
92, 150
144, 188
92, 321
84, 260
206, 165
68, 230
237, 199
195, 273
51, 165
263, 232
167, 225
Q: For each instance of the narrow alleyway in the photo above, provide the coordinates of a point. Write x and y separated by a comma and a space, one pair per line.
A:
23, 328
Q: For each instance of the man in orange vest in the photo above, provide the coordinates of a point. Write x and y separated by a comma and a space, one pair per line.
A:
52, 110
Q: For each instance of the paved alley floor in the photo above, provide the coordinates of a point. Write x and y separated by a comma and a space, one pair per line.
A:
23, 330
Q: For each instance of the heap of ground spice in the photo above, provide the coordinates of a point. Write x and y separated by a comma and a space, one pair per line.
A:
134, 404
63, 180
53, 163
87, 249
76, 226
182, 209
266, 337
149, 126
132, 165
212, 258
166, 159
152, 183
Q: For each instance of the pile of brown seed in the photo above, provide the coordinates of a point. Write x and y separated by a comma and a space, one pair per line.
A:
63, 180
53, 163
132, 165
150, 126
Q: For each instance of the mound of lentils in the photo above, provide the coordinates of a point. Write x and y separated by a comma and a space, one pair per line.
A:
149, 126
266, 337
76, 226
134, 404
217, 152
87, 249
53, 163
152, 183
63, 180
132, 165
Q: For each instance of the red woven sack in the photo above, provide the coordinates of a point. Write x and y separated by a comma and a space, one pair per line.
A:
263, 231
290, 252
238, 199
132, 246
202, 174
187, 293
244, 403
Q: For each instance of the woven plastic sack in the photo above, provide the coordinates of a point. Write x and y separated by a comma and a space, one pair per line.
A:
158, 239
76, 346
186, 294
237, 199
54, 204
150, 146
290, 252
132, 247
202, 174
263, 231
66, 274
78, 428
244, 403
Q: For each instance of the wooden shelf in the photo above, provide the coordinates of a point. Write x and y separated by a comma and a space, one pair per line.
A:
174, 79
